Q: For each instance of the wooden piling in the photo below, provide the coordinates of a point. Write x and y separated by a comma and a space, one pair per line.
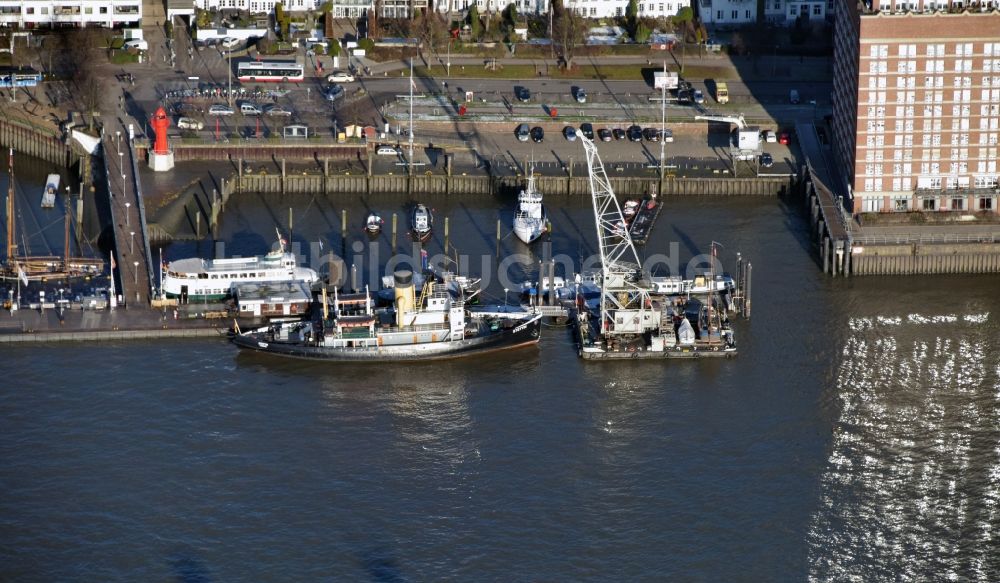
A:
393, 232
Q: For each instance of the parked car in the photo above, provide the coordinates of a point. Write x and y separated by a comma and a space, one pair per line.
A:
766, 160
276, 111
523, 94
770, 137
182, 108
699, 97
219, 109
651, 134
587, 129
386, 151
570, 133
537, 134
522, 132
784, 138
136, 43
634, 134
187, 123
581, 96
334, 92
249, 109
668, 135
230, 42
618, 133
340, 77
604, 134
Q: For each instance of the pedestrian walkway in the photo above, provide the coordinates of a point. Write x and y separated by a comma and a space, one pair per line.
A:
131, 253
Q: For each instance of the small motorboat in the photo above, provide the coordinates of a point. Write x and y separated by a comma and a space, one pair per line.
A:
421, 223
629, 210
51, 189
373, 224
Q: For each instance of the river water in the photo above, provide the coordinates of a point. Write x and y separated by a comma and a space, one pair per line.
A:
856, 436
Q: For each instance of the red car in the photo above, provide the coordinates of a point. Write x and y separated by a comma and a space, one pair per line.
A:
784, 138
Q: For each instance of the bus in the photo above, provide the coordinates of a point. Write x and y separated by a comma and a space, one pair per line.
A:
270, 71
721, 92
19, 77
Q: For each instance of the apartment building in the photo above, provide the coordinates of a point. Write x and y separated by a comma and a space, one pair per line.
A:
916, 118
70, 13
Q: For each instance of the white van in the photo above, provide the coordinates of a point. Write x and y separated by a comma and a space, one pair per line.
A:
249, 109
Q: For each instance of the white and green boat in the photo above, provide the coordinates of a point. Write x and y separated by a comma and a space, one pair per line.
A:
196, 279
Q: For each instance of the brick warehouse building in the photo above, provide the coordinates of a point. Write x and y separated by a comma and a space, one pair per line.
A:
916, 104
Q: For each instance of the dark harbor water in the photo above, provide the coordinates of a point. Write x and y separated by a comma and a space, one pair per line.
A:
856, 437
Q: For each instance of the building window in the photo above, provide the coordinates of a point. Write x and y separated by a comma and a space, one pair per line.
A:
103, 9
818, 10
958, 204
718, 15
736, 14
930, 204
985, 203
901, 204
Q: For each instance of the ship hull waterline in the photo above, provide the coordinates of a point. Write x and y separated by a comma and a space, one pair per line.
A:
508, 339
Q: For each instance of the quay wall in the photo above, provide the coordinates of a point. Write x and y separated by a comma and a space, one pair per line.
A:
109, 335
492, 185
35, 141
929, 259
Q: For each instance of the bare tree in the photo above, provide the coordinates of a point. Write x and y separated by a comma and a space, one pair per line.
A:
568, 31
81, 59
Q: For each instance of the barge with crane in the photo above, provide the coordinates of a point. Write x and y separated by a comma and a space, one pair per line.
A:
639, 316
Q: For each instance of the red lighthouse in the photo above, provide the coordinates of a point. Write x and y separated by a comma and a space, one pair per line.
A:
161, 158
160, 123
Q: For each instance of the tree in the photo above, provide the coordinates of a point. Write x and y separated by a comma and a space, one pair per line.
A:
475, 24
334, 48
430, 29
568, 31
642, 33
282, 21
510, 13
631, 17
682, 19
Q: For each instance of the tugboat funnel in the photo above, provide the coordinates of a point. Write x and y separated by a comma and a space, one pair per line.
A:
403, 295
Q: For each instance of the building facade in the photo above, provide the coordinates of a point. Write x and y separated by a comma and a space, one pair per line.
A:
787, 12
916, 118
70, 13
259, 6
727, 12
585, 8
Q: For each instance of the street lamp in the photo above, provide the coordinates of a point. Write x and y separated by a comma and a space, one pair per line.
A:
127, 206
131, 242
448, 61
505, 290
135, 277
118, 141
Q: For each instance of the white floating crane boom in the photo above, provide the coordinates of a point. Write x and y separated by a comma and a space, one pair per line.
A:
737, 120
622, 293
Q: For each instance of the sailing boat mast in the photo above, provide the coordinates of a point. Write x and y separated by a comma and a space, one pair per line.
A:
11, 238
410, 129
